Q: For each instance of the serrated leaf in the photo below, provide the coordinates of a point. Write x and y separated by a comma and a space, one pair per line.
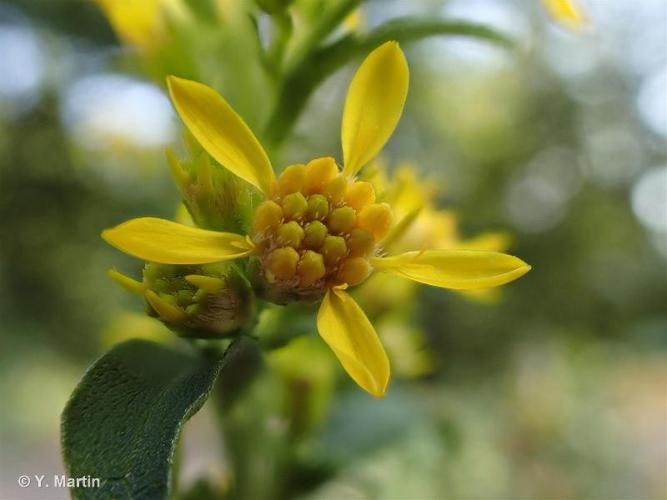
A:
123, 420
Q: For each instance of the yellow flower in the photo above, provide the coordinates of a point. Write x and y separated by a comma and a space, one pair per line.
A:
206, 301
319, 230
140, 23
354, 21
420, 223
567, 13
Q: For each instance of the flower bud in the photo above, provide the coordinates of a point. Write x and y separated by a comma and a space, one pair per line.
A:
311, 268
319, 172
333, 249
361, 243
290, 234
335, 190
294, 205
206, 301
282, 262
314, 234
342, 220
267, 216
359, 195
215, 198
318, 207
376, 219
292, 180
354, 271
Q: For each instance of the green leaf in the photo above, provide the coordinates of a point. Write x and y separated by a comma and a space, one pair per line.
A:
300, 83
123, 421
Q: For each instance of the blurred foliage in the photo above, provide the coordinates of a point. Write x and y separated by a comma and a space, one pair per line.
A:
556, 390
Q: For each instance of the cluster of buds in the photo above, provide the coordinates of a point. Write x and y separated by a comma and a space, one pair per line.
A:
203, 301
318, 230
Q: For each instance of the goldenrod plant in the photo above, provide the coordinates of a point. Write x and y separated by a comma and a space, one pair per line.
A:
262, 255
319, 230
276, 179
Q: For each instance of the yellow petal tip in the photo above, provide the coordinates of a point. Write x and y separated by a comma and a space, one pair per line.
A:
221, 131
379, 395
165, 310
171, 79
107, 235
129, 284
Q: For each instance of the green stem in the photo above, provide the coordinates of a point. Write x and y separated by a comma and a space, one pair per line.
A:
303, 79
330, 19
282, 25
297, 59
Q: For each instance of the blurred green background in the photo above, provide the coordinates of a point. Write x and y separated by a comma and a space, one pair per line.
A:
557, 390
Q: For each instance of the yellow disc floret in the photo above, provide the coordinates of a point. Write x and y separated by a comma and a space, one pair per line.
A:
294, 205
376, 219
359, 195
318, 230
281, 263
293, 179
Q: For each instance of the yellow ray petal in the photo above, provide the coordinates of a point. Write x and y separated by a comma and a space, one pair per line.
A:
346, 329
209, 284
144, 24
221, 132
165, 310
137, 23
456, 269
373, 106
567, 13
166, 242
131, 285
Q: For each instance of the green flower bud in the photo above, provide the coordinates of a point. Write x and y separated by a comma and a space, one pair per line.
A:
318, 207
294, 205
203, 301
215, 198
314, 234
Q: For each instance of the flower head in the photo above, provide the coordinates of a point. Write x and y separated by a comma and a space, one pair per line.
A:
319, 230
207, 301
